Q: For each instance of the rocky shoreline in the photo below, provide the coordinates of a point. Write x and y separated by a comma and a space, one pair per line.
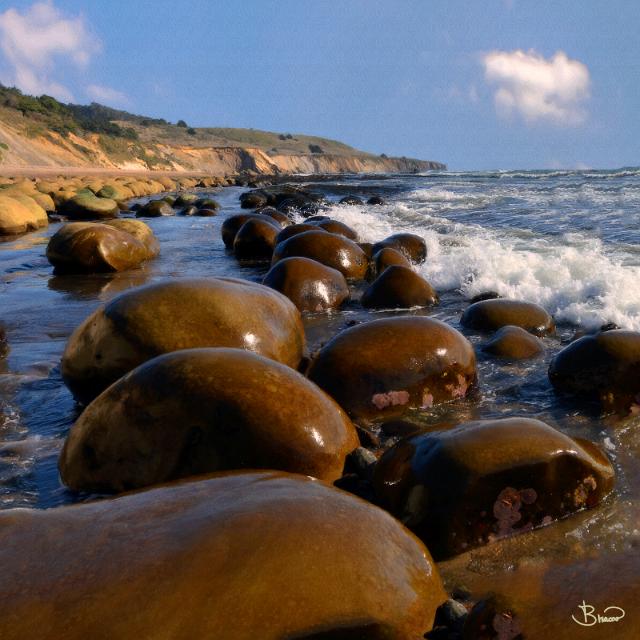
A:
189, 387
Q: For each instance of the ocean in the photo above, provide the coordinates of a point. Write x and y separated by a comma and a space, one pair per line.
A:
567, 240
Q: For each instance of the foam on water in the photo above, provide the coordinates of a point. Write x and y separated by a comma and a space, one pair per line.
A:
578, 277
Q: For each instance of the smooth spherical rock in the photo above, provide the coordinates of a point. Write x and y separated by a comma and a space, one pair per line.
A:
303, 560
334, 251
145, 322
513, 343
87, 247
17, 218
353, 200
253, 199
411, 245
603, 368
281, 218
311, 286
207, 203
399, 287
255, 240
200, 410
155, 209
337, 227
185, 199
139, 230
490, 315
467, 486
232, 224
386, 367
388, 257
294, 230
86, 206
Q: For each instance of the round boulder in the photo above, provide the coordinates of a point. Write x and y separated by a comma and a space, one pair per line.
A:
139, 230
294, 230
145, 322
388, 257
602, 367
353, 200
201, 410
253, 199
411, 245
337, 227
490, 315
310, 285
16, 217
155, 209
479, 481
386, 367
376, 200
255, 240
513, 343
86, 206
87, 247
306, 560
185, 199
399, 287
232, 224
334, 251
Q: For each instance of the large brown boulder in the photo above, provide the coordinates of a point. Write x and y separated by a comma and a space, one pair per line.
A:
155, 209
603, 367
467, 486
201, 410
232, 224
387, 257
16, 217
332, 250
399, 287
139, 230
490, 315
310, 285
294, 230
337, 227
87, 247
255, 240
86, 206
411, 245
513, 343
386, 367
145, 322
238, 556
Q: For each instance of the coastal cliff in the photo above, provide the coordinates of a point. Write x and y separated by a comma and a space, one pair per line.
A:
42, 133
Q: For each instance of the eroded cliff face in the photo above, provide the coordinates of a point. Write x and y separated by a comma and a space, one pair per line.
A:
51, 150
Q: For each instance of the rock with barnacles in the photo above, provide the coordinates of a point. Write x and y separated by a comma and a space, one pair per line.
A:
479, 481
385, 367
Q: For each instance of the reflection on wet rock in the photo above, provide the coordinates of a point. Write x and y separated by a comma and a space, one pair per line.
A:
399, 287
300, 557
493, 314
484, 480
145, 322
386, 367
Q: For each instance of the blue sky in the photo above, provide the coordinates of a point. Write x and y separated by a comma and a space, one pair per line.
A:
478, 85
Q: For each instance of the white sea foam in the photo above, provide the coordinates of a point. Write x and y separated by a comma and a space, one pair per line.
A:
577, 278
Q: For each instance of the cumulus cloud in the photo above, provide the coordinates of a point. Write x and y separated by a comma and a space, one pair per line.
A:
32, 41
537, 88
107, 95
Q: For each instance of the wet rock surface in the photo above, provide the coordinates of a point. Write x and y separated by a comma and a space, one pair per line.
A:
411, 245
145, 322
302, 557
385, 367
513, 343
399, 287
311, 286
493, 314
603, 368
201, 410
467, 486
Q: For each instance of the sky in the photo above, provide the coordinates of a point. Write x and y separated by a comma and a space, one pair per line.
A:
491, 84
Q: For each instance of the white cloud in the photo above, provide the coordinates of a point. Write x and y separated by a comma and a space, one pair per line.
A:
107, 95
536, 88
32, 40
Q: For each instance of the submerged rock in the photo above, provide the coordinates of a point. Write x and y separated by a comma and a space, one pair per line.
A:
334, 251
310, 285
155, 209
386, 367
148, 321
467, 486
304, 559
399, 287
411, 245
490, 315
201, 410
376, 200
513, 343
87, 247
603, 367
